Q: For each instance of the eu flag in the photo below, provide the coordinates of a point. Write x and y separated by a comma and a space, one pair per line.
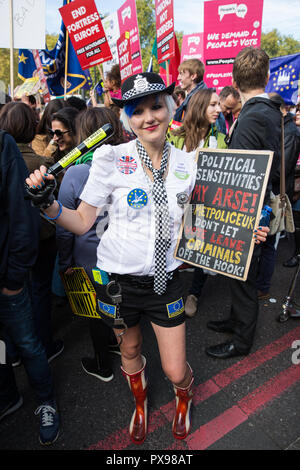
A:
54, 63
26, 65
284, 77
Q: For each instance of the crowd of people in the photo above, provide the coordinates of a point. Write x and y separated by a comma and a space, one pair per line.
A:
116, 214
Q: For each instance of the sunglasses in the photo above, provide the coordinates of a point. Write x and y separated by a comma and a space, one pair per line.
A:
57, 132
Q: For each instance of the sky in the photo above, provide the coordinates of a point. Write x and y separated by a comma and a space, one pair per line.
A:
284, 15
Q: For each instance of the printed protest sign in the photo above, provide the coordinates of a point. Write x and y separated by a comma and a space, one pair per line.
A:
29, 24
164, 13
127, 17
192, 47
81, 293
83, 23
111, 28
217, 231
228, 28
125, 60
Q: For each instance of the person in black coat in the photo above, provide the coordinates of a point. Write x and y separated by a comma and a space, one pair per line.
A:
19, 241
291, 153
258, 127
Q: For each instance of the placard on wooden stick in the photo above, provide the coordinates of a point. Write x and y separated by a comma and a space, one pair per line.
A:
217, 228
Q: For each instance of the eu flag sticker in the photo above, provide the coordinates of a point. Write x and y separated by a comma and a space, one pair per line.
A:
107, 309
137, 198
175, 308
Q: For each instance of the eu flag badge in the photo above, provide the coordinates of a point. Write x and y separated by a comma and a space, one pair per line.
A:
175, 308
107, 309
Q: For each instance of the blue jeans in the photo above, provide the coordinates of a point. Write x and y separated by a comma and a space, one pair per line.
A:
41, 293
16, 317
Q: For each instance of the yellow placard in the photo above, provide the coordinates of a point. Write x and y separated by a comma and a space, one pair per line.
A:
81, 293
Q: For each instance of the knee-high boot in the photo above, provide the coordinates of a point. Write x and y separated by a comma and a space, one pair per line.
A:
138, 385
182, 419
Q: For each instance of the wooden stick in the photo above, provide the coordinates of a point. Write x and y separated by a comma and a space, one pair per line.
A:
168, 73
11, 18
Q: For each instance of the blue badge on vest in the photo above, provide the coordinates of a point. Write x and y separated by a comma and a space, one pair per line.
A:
107, 309
137, 198
175, 308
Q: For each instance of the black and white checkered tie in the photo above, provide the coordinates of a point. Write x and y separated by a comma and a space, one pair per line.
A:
162, 218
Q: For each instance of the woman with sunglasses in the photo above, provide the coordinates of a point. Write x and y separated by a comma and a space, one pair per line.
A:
42, 143
138, 274
63, 130
199, 130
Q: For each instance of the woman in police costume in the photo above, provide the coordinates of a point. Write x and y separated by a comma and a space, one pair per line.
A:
137, 272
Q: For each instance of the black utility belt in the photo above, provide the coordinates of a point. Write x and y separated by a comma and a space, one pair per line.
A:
146, 282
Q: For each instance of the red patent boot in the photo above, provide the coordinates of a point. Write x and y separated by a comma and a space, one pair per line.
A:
138, 385
182, 419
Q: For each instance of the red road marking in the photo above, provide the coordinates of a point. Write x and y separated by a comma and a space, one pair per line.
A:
228, 420
218, 427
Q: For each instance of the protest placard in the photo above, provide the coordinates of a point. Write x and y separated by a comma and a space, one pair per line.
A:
83, 23
125, 60
228, 28
192, 47
164, 13
112, 31
29, 24
225, 207
127, 17
80, 292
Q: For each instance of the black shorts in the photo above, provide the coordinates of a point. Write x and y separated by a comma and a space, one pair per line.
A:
165, 310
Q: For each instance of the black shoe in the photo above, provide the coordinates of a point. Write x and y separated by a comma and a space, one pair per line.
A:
49, 422
291, 263
92, 367
224, 350
222, 326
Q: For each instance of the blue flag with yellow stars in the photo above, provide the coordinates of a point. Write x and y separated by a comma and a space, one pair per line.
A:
26, 64
54, 63
284, 77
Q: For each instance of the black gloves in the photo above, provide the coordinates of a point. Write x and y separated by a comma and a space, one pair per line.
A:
44, 197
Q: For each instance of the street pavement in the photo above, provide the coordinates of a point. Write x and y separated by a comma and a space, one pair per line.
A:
243, 403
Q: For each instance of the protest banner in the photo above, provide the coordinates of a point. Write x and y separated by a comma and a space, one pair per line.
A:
228, 28
127, 17
225, 207
25, 14
164, 14
30, 86
192, 47
112, 31
80, 292
125, 58
83, 24
43, 82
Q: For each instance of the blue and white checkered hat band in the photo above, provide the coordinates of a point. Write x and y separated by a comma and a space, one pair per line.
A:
150, 87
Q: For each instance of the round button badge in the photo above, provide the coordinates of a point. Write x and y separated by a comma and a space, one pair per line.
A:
137, 198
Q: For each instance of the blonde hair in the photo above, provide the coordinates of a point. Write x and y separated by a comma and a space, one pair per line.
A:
194, 67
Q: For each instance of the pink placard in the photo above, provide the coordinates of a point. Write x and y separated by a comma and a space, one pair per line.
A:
228, 28
125, 59
192, 47
164, 14
128, 22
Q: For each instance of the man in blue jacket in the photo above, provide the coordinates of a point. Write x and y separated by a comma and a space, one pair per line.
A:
19, 240
191, 72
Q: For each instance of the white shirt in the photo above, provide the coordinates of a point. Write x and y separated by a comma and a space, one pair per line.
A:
127, 246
